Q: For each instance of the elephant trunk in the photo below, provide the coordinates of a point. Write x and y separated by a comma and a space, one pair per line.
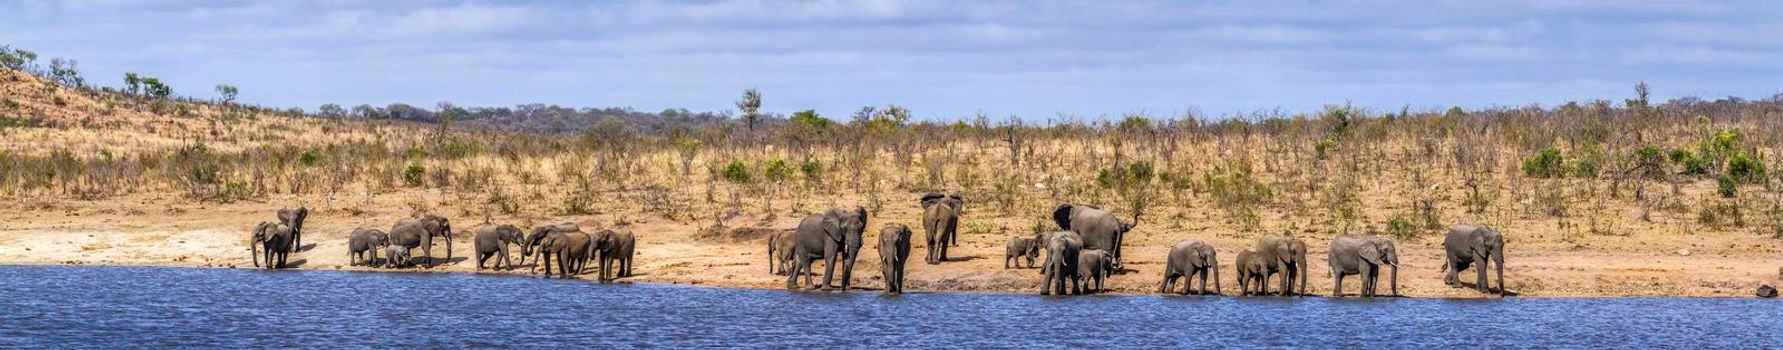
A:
1303, 274
1393, 282
254, 250
1216, 276
1500, 263
448, 247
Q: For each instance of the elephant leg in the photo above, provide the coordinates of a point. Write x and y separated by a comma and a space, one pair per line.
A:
830, 257
1481, 282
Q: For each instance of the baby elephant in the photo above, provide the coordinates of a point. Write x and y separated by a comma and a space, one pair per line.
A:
1251, 272
493, 241
894, 251
1020, 247
1094, 265
396, 255
364, 243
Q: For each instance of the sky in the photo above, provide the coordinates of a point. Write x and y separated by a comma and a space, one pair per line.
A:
942, 60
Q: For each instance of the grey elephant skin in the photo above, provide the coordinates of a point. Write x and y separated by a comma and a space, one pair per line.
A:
396, 255
1284, 254
1362, 256
565, 242
1188, 259
1467, 244
894, 251
1093, 267
1022, 247
362, 246
615, 248
941, 224
275, 239
1098, 228
294, 218
419, 233
1251, 273
779, 252
493, 241
1060, 269
833, 236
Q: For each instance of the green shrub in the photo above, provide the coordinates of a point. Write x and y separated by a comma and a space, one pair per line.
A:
1324, 148
1587, 165
414, 174
810, 168
736, 172
777, 170
1400, 227
1726, 186
1719, 214
1745, 169
1548, 164
1134, 174
309, 157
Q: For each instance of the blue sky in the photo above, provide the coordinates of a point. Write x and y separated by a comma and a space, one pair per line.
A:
942, 60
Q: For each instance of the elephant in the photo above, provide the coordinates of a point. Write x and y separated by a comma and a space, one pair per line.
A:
1062, 250
276, 240
1466, 244
835, 237
397, 255
1186, 260
779, 251
1099, 228
293, 218
1363, 256
1284, 254
615, 247
413, 233
493, 241
1767, 291
1093, 266
894, 251
567, 243
537, 237
1251, 272
941, 223
1020, 247
364, 243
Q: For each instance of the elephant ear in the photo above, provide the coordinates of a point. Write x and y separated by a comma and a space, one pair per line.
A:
1371, 252
832, 224
931, 198
1062, 216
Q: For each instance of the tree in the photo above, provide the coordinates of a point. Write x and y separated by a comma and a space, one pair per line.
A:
365, 111
228, 92
64, 71
16, 58
154, 88
331, 110
750, 105
132, 83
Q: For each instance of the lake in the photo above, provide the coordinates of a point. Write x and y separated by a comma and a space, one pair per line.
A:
161, 307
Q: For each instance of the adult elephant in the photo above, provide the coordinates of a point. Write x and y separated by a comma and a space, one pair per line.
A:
275, 239
1284, 254
614, 250
554, 241
1467, 244
941, 223
894, 251
1363, 256
293, 218
1099, 228
1188, 259
493, 241
413, 233
834, 236
1062, 253
364, 243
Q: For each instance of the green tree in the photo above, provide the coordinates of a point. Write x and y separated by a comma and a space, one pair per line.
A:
64, 71
155, 88
332, 110
750, 105
228, 92
132, 83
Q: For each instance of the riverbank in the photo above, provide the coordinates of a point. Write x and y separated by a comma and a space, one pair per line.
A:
215, 236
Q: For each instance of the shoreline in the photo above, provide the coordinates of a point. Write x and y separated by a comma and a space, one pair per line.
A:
874, 291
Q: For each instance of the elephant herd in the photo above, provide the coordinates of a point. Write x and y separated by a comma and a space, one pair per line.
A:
565, 245
1079, 256
1087, 248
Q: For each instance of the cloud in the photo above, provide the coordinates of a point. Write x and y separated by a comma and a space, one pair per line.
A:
942, 59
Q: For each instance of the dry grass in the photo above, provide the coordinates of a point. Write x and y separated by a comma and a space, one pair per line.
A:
1340, 171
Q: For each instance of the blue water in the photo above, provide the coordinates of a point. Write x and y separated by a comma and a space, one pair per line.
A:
153, 307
